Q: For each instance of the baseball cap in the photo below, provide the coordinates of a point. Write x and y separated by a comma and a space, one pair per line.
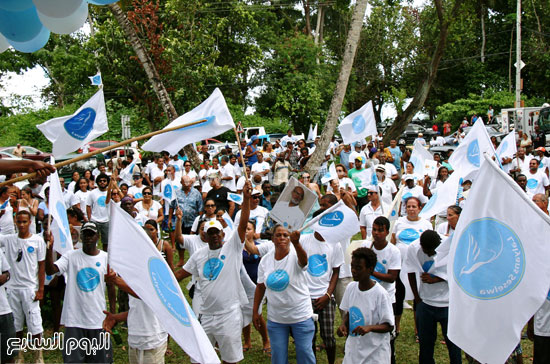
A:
256, 192
541, 149
372, 188
89, 226
381, 168
359, 159
254, 137
402, 142
408, 177
212, 224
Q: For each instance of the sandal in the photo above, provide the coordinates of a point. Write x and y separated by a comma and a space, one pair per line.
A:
267, 351
416, 338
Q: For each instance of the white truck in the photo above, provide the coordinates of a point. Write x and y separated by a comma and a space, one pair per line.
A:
525, 119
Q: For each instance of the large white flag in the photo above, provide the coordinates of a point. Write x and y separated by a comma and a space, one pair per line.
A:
133, 255
218, 120
442, 197
393, 213
507, 147
330, 175
468, 157
358, 125
68, 133
418, 156
168, 190
61, 231
498, 267
126, 174
336, 224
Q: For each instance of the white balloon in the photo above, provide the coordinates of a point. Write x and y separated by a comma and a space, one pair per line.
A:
3, 44
67, 24
57, 8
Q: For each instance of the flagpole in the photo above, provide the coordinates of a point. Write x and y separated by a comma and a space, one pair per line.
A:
241, 153
84, 156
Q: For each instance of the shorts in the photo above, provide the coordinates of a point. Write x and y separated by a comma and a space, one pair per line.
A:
225, 329
165, 221
137, 356
25, 309
7, 331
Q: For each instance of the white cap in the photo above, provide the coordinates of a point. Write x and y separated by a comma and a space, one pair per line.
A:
407, 177
212, 224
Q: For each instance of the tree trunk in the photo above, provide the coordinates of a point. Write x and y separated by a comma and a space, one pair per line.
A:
308, 15
152, 74
318, 156
483, 38
402, 120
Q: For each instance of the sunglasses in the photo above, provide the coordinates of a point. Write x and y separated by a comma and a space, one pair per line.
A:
210, 205
306, 176
371, 193
137, 177
256, 197
146, 193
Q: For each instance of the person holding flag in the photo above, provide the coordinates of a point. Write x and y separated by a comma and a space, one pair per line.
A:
217, 268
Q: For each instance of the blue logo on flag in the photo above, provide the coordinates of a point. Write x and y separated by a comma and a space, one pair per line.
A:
80, 125
332, 219
489, 261
317, 265
212, 268
96, 80
355, 319
431, 202
427, 265
101, 201
87, 279
473, 153
65, 231
168, 191
278, 280
380, 268
408, 236
235, 198
167, 290
358, 124
532, 183
503, 146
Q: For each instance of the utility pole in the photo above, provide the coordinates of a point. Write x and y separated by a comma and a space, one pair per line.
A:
518, 55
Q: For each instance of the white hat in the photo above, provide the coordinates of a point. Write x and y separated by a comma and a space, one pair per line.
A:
212, 224
408, 177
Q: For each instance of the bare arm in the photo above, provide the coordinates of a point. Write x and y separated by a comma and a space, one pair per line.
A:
414, 289
258, 296
42, 169
41, 276
300, 252
245, 209
181, 274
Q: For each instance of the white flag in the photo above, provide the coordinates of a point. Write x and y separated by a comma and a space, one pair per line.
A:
368, 177
338, 223
468, 157
358, 125
498, 267
443, 197
418, 156
314, 133
61, 231
238, 199
507, 147
96, 80
133, 255
68, 133
218, 120
393, 212
310, 132
330, 175
127, 173
168, 190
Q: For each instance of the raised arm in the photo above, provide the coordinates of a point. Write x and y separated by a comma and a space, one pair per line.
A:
302, 255
245, 209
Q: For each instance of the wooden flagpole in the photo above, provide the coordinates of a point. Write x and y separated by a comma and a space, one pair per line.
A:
240, 152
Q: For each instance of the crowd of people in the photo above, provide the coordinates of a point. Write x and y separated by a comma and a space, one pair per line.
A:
238, 258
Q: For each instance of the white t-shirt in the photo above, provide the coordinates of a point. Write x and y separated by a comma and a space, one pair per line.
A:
390, 169
367, 216
24, 274
6, 221
544, 163
4, 305
218, 273
151, 213
260, 167
84, 300
229, 171
136, 191
388, 189
82, 197
100, 211
192, 174
259, 214
371, 307
155, 173
523, 164
69, 198
345, 269
536, 182
542, 318
387, 259
344, 183
417, 192
240, 183
322, 258
434, 294
407, 232
144, 329
355, 154
288, 299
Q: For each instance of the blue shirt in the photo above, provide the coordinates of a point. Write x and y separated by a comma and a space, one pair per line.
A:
344, 158
396, 154
190, 203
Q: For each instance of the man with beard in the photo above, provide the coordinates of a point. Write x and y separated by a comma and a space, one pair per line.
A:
294, 216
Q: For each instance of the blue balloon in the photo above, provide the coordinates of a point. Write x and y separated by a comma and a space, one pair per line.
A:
20, 26
102, 2
16, 5
34, 44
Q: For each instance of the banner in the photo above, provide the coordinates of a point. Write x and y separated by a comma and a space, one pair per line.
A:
358, 125
498, 266
137, 260
338, 223
442, 197
69, 133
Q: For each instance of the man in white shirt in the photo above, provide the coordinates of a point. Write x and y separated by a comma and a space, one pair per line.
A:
387, 186
358, 152
260, 167
7, 328
290, 211
257, 213
84, 300
288, 138
96, 209
6, 212
228, 174
537, 180
390, 170
520, 164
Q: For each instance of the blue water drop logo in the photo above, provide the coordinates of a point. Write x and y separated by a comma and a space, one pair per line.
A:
80, 125
30, 249
278, 280
212, 269
138, 195
332, 219
408, 236
168, 191
380, 268
317, 265
358, 124
406, 196
101, 201
356, 319
168, 290
489, 261
473, 154
532, 183
235, 197
87, 279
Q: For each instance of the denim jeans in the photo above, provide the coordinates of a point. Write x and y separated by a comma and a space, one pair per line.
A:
427, 318
302, 333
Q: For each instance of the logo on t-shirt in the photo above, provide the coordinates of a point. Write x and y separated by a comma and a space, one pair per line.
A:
101, 201
278, 280
30, 249
356, 319
138, 195
532, 183
87, 279
80, 125
380, 268
473, 153
168, 291
168, 191
489, 261
212, 268
358, 124
332, 219
406, 196
317, 265
408, 236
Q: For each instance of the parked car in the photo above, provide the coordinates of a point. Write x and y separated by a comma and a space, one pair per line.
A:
491, 130
9, 156
29, 153
98, 144
412, 131
122, 152
80, 166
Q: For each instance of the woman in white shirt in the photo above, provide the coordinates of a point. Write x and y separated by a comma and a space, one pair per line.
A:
149, 208
282, 277
81, 193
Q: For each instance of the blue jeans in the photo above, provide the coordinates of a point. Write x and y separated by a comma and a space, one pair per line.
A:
302, 332
427, 318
